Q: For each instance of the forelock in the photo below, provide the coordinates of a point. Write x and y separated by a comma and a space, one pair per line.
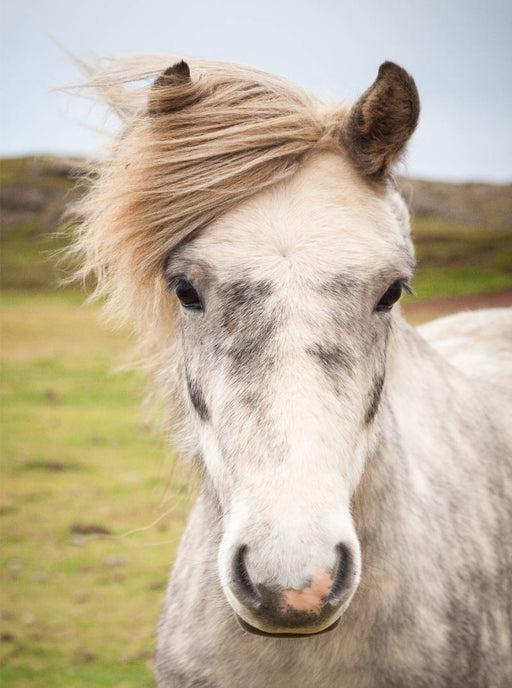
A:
170, 174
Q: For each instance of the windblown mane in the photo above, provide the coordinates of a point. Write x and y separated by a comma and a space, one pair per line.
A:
175, 167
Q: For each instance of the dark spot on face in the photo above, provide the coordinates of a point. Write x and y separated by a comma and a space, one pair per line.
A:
249, 323
342, 293
340, 285
375, 397
242, 302
333, 359
197, 397
251, 354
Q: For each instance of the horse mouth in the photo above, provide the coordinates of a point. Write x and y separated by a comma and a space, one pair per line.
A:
256, 631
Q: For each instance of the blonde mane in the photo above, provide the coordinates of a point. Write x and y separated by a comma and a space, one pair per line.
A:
228, 133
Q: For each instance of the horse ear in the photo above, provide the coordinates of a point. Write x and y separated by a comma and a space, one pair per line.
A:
172, 90
377, 127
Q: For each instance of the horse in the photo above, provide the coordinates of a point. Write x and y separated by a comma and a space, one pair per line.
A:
353, 524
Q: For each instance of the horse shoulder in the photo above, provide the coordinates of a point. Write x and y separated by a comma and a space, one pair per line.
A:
478, 343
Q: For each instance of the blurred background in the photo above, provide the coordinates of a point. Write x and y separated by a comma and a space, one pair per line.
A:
91, 503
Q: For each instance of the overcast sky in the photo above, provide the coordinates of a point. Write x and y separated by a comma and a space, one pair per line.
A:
459, 52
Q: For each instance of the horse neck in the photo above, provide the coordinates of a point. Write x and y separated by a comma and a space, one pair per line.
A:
385, 508
422, 405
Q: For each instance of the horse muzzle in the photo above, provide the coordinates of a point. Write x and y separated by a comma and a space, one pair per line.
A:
278, 611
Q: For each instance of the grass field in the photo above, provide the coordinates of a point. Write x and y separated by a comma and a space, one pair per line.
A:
84, 473
82, 470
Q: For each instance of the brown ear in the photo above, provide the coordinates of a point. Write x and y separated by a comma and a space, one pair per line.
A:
377, 128
172, 90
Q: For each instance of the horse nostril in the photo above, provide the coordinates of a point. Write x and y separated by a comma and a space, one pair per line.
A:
241, 581
343, 575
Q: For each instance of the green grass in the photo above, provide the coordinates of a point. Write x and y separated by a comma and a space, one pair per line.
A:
78, 455
463, 280
456, 259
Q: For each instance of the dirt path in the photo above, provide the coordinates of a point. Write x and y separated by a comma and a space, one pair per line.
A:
417, 311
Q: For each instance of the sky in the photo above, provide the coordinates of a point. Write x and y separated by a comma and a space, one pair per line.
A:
459, 52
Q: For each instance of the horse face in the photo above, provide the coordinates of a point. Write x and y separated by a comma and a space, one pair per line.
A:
286, 331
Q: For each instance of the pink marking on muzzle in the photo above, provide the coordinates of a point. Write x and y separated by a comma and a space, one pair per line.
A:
310, 599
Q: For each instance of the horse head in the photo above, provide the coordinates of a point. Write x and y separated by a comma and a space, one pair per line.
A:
285, 329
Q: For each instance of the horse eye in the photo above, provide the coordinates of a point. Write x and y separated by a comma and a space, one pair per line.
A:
390, 297
188, 296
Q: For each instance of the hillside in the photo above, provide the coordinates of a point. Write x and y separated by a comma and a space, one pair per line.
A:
463, 236
462, 232
34, 193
